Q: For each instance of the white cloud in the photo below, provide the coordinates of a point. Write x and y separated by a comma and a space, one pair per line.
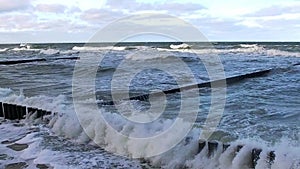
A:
17, 22
51, 8
99, 16
217, 19
276, 10
180, 8
81, 4
174, 8
13, 5
250, 23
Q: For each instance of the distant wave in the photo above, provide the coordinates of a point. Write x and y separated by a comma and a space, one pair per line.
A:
245, 48
69, 52
276, 52
146, 55
181, 46
184, 48
249, 49
248, 45
25, 49
57, 52
4, 50
95, 49
50, 51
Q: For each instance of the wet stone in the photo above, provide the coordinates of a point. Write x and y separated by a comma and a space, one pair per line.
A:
33, 130
19, 124
6, 142
18, 147
19, 165
43, 166
3, 156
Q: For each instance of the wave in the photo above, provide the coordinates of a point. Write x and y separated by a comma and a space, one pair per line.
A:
244, 48
181, 46
95, 49
50, 52
249, 50
248, 45
147, 55
276, 52
85, 48
25, 49
186, 154
69, 52
54, 104
4, 50
58, 52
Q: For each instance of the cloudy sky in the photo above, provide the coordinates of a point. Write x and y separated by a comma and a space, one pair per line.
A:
218, 20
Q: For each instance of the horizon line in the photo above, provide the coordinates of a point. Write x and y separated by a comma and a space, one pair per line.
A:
214, 41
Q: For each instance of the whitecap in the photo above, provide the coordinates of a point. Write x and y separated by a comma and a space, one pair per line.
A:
181, 46
96, 49
3, 50
50, 51
248, 45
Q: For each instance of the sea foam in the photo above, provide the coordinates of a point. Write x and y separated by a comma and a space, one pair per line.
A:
185, 154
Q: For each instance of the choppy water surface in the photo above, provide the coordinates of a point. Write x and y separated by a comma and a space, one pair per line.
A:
265, 108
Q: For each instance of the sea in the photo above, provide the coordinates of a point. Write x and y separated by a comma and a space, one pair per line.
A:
260, 112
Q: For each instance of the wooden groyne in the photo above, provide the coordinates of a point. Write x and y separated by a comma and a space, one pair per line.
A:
18, 112
20, 61
212, 147
216, 83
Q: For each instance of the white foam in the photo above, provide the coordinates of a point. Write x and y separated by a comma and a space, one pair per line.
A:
69, 52
25, 49
49, 157
28, 139
275, 52
248, 45
249, 49
96, 49
3, 50
181, 46
4, 92
50, 51
54, 104
32, 151
183, 155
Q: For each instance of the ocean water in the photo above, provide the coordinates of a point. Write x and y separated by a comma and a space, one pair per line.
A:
261, 112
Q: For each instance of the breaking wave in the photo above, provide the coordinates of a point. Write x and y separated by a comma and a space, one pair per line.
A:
245, 48
181, 46
106, 48
248, 45
4, 50
50, 52
186, 154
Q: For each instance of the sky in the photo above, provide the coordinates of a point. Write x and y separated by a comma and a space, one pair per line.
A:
38, 21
